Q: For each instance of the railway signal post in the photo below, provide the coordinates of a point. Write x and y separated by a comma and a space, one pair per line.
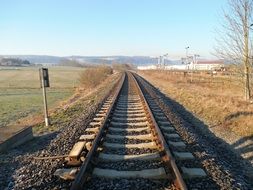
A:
44, 82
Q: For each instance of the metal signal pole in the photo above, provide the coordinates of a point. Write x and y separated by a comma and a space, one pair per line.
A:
45, 83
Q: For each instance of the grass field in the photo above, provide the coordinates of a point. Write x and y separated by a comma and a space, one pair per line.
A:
21, 95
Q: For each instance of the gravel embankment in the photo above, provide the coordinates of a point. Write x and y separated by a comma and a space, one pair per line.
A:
225, 169
19, 169
129, 184
224, 114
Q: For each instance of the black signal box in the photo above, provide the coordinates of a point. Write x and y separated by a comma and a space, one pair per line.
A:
44, 77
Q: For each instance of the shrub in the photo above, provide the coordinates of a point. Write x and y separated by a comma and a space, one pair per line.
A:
122, 66
92, 77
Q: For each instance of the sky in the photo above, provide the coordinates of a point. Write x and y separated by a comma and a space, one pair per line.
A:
109, 27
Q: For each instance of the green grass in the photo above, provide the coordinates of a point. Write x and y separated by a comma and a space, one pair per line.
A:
21, 95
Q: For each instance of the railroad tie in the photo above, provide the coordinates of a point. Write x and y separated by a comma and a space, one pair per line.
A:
128, 111
167, 128
171, 135
121, 119
150, 145
121, 124
164, 123
140, 137
74, 158
159, 114
158, 173
101, 114
139, 129
93, 129
183, 155
117, 157
95, 123
98, 119
130, 115
178, 144
87, 137
193, 172
161, 118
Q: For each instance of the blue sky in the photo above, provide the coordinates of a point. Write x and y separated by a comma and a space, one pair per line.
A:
108, 27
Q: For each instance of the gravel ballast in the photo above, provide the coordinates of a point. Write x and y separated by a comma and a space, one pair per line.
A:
24, 172
225, 169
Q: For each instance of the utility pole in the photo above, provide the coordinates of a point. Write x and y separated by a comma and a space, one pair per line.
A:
160, 62
164, 56
186, 54
194, 61
186, 58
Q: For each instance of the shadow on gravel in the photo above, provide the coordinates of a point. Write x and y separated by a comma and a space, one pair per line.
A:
37, 143
219, 149
10, 160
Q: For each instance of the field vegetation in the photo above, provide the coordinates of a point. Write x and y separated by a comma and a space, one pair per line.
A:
91, 77
216, 99
123, 66
21, 95
87, 101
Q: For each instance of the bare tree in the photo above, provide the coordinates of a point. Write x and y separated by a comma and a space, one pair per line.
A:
233, 43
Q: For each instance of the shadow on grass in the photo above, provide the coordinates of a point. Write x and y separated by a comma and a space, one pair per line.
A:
238, 114
223, 152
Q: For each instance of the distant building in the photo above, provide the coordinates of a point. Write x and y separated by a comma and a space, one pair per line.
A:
176, 67
207, 65
204, 65
147, 67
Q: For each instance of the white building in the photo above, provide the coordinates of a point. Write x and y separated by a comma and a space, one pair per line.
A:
147, 67
206, 65
176, 67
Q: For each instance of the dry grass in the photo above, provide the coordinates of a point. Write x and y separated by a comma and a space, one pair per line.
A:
92, 77
218, 100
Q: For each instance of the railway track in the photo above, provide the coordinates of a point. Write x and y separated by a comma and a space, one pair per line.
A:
130, 144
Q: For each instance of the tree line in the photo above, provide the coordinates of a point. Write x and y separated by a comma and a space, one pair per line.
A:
14, 62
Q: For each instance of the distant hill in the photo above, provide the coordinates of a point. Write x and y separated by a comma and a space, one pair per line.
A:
14, 62
71, 63
90, 60
36, 59
136, 60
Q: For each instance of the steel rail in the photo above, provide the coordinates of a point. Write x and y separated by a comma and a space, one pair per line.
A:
179, 182
83, 173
